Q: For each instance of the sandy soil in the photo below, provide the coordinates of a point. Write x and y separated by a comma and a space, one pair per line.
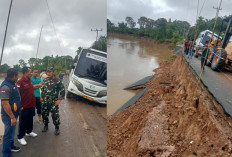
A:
175, 118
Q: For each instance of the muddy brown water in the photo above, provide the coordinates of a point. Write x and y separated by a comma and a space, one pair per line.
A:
129, 60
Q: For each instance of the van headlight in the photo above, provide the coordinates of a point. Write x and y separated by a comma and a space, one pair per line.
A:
102, 93
78, 84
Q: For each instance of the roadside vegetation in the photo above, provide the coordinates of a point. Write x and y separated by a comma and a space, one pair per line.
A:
162, 29
59, 63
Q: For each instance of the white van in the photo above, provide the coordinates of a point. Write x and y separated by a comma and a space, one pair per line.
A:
88, 79
205, 36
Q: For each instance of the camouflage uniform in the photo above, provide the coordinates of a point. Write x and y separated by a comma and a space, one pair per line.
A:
52, 90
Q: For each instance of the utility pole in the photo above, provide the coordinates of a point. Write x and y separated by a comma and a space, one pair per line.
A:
38, 44
217, 13
96, 30
4, 40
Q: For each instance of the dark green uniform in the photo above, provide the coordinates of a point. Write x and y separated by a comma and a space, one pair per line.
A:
52, 90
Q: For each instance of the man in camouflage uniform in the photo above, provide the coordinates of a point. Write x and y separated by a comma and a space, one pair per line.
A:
52, 93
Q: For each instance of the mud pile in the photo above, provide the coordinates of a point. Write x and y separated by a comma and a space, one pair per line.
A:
176, 117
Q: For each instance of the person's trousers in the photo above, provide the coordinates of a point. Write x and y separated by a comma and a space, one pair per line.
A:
190, 53
26, 122
38, 105
46, 108
8, 137
203, 62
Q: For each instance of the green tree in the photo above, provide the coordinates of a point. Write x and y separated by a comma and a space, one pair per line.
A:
22, 63
79, 50
100, 44
32, 61
4, 68
130, 22
17, 67
142, 21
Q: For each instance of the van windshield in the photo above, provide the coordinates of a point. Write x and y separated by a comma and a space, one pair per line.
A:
92, 65
207, 37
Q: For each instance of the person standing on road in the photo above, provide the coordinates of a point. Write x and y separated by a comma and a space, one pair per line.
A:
10, 110
190, 51
37, 84
204, 55
186, 46
27, 106
52, 93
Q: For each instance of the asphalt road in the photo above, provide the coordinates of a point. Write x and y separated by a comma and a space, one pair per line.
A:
219, 84
83, 133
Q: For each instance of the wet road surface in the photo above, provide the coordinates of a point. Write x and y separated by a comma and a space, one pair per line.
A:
83, 133
219, 84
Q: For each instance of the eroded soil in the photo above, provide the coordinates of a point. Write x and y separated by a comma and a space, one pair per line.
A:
176, 117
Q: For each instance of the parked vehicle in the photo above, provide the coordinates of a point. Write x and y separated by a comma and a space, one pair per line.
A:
88, 78
220, 54
206, 36
214, 40
222, 58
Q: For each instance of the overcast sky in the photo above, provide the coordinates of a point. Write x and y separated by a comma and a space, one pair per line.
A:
73, 20
175, 9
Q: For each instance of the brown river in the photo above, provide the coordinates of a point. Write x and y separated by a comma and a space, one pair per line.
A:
129, 60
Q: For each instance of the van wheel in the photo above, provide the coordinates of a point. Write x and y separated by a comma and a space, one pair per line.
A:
218, 61
69, 95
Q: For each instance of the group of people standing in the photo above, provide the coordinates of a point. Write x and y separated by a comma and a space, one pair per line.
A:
189, 51
20, 99
189, 48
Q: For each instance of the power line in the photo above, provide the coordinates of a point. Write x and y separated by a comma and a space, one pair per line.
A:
202, 7
4, 40
54, 26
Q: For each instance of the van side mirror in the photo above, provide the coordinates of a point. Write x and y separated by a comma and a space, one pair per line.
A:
73, 67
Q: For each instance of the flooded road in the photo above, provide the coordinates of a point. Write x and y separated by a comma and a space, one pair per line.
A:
130, 59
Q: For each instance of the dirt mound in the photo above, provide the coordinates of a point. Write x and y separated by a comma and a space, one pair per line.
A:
176, 117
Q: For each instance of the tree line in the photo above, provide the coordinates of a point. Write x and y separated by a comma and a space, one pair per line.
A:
59, 63
162, 29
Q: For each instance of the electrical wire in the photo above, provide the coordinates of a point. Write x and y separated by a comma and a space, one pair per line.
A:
53, 26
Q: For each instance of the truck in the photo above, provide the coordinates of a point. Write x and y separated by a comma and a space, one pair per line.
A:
88, 78
220, 54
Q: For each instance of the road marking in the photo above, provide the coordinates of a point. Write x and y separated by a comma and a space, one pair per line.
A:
85, 126
96, 151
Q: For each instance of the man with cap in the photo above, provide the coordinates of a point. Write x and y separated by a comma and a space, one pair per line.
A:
52, 92
11, 105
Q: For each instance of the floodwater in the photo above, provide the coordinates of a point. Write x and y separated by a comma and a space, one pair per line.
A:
129, 60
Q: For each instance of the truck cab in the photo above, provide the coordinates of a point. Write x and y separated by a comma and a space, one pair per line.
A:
88, 78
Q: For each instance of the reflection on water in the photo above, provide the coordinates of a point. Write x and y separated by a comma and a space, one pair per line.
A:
128, 61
